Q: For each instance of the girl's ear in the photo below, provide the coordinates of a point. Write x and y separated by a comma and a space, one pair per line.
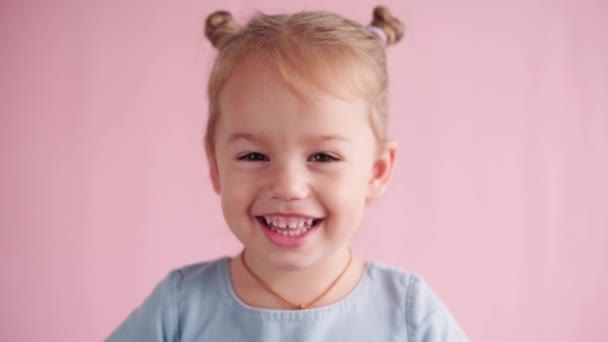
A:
382, 170
213, 170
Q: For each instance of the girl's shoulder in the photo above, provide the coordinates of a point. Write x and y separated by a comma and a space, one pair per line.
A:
382, 269
181, 294
393, 279
200, 277
406, 286
202, 269
425, 311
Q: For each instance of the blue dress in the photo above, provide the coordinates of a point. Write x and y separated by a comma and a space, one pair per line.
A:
197, 303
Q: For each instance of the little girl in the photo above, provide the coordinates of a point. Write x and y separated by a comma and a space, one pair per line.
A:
297, 147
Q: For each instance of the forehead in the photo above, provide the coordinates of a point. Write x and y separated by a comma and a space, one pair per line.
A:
256, 98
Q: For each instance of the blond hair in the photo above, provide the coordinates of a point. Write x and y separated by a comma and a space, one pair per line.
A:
311, 51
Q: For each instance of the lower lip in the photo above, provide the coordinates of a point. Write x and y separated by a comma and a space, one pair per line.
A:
287, 241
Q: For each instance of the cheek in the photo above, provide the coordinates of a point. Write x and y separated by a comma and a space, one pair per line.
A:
346, 195
238, 193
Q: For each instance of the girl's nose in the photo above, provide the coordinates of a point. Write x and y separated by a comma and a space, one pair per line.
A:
289, 182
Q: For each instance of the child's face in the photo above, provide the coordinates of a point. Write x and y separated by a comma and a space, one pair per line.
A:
280, 161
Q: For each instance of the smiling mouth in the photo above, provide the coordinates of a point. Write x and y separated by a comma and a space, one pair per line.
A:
289, 227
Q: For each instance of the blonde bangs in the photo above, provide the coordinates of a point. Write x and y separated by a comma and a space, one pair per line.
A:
337, 71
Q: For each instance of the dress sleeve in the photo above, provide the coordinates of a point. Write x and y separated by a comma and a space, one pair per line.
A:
156, 320
428, 319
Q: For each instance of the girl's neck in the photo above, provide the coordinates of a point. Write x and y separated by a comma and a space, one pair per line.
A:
298, 286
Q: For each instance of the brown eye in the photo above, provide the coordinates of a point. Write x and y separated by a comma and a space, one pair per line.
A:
253, 156
322, 158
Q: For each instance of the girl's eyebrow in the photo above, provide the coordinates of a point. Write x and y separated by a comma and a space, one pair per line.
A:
314, 138
241, 136
323, 138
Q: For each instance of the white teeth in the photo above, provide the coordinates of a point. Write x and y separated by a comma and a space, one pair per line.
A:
290, 232
288, 226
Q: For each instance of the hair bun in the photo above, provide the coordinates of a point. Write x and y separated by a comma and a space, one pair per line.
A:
219, 25
392, 27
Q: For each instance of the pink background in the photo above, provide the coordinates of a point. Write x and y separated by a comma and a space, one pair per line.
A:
500, 198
